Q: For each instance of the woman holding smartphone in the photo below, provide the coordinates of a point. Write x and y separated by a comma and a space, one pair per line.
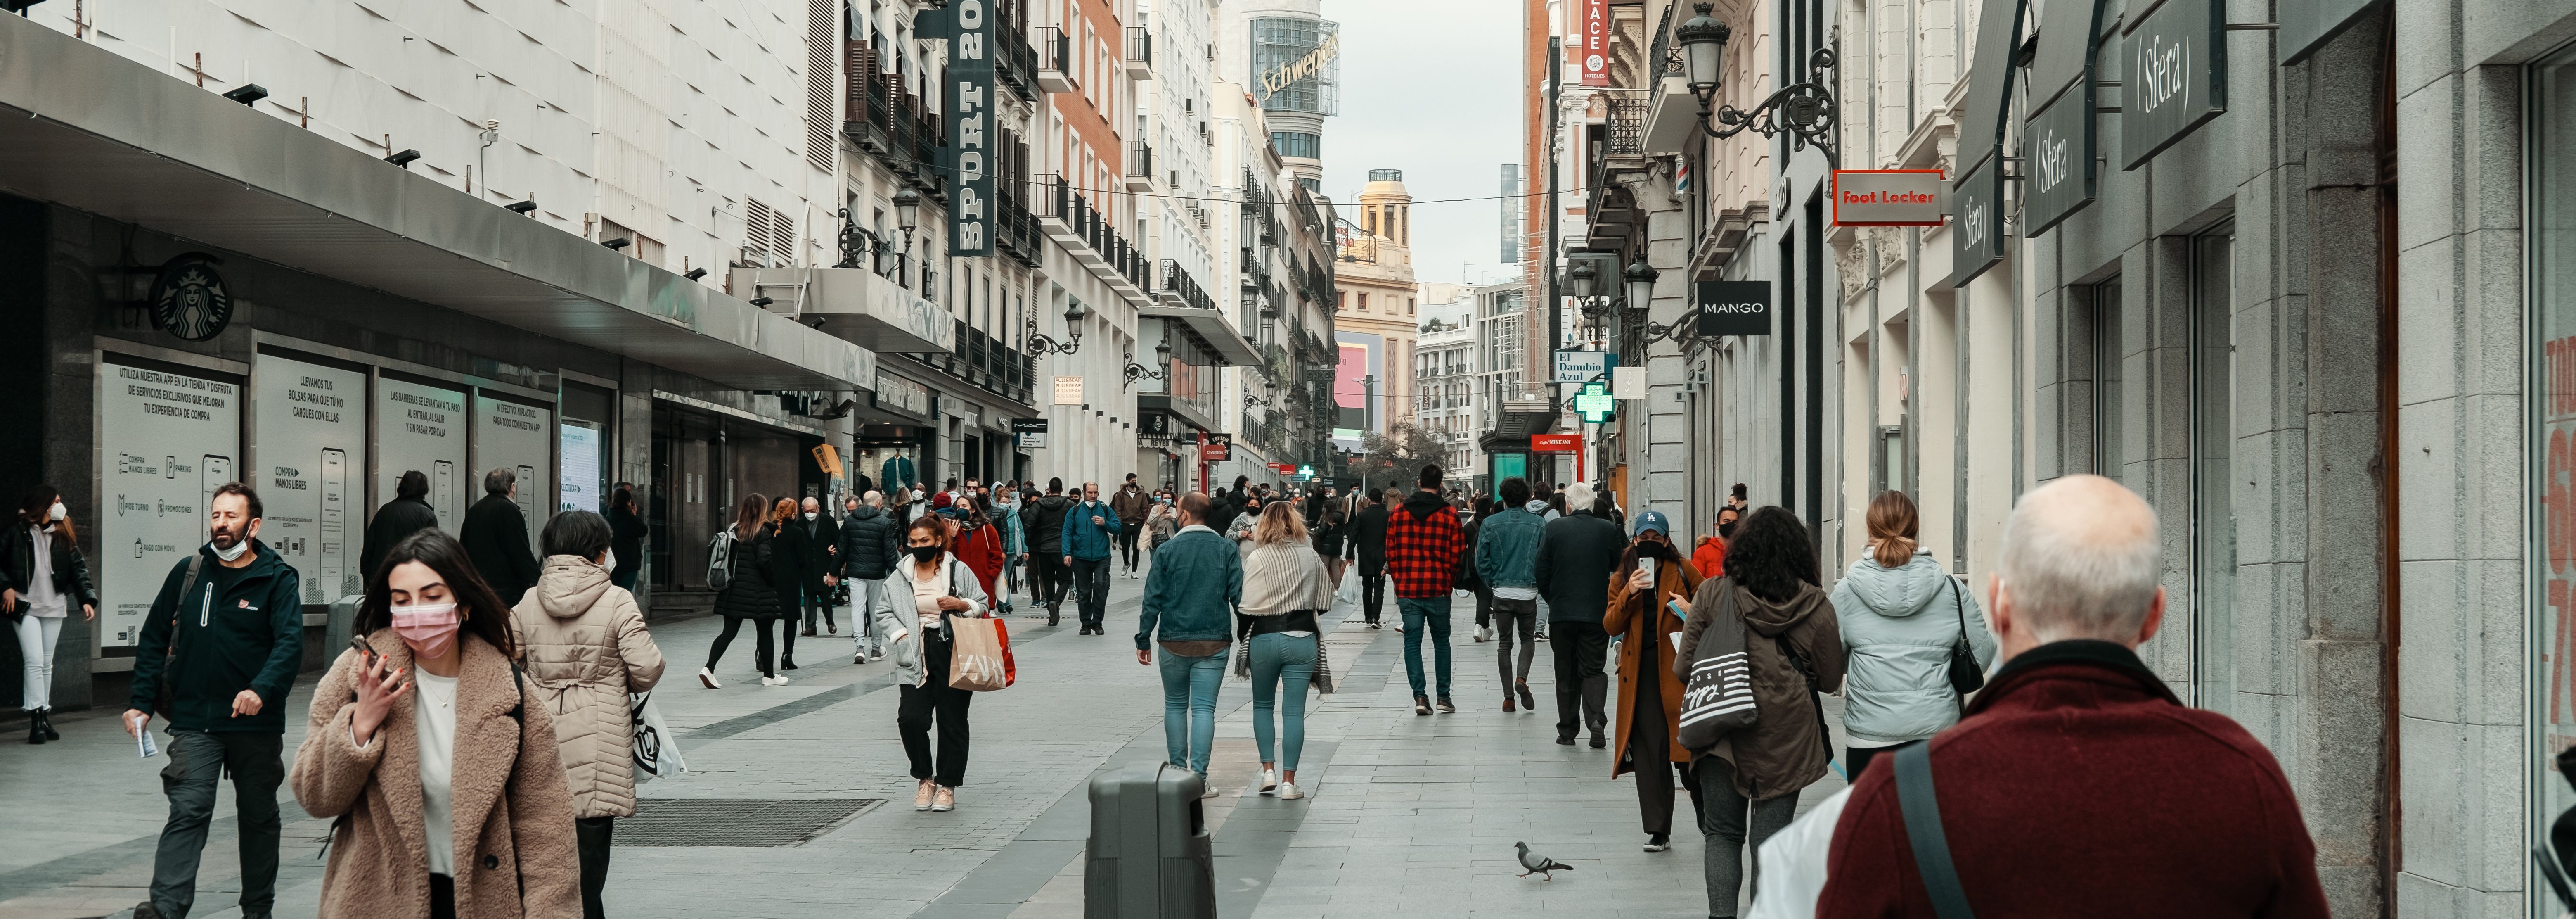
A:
930, 586
427, 718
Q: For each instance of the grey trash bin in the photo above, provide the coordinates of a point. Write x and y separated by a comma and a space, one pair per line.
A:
336, 633
1150, 853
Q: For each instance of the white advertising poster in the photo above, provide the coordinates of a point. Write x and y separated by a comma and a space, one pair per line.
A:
166, 439
520, 437
583, 446
422, 427
310, 424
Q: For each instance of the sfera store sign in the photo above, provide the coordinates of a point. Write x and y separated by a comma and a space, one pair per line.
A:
2176, 77
1976, 228
1888, 198
2060, 143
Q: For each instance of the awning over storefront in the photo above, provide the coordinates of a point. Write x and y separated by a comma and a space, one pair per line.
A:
1221, 337
94, 131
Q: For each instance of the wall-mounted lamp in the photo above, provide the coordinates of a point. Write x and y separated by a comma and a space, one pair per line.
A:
404, 158
521, 207
247, 93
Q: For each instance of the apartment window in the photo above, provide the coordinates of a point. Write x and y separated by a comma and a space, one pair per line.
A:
1408, 306
2213, 517
1299, 145
1363, 302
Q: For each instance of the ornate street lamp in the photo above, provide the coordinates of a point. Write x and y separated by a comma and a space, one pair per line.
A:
1808, 107
1639, 278
1035, 342
907, 213
1136, 371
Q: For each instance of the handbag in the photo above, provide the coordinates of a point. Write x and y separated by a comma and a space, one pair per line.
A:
981, 655
1965, 675
655, 752
1718, 697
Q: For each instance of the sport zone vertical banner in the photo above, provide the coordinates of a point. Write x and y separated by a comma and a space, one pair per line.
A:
970, 146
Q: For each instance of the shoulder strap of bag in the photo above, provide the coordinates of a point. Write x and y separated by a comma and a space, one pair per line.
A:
1922, 815
1959, 606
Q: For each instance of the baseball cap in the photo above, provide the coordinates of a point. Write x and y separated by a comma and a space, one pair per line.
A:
1653, 520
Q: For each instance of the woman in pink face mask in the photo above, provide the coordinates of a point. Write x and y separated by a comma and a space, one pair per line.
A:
426, 717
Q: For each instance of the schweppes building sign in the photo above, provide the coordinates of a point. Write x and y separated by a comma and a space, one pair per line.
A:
1287, 75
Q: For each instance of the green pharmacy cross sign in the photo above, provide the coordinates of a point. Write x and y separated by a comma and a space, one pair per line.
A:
1594, 404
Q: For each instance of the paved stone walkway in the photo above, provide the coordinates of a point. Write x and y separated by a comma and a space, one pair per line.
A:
1408, 815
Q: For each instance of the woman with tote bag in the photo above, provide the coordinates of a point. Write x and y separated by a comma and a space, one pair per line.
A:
587, 653
929, 587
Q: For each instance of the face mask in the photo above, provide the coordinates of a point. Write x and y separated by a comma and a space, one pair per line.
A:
809, 515
429, 628
233, 554
608, 560
925, 554
1726, 530
57, 512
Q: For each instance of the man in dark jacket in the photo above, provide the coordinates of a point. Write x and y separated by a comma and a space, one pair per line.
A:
1368, 547
224, 637
1052, 576
822, 547
409, 512
495, 536
870, 540
1572, 573
1131, 502
2070, 744
1423, 545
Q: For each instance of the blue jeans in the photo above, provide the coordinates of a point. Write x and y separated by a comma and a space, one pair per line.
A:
1279, 658
1189, 707
1433, 612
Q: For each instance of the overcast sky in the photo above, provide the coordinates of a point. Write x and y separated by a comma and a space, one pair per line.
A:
1431, 87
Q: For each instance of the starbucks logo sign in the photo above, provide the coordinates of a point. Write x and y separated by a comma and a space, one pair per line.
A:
189, 299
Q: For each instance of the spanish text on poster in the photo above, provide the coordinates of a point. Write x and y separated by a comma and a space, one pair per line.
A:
518, 437
309, 422
166, 439
422, 427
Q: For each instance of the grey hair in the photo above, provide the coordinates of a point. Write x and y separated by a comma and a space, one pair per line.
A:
2080, 559
499, 480
874, 498
1578, 497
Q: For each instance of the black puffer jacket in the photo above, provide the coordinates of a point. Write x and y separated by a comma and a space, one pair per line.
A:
752, 595
870, 541
1046, 524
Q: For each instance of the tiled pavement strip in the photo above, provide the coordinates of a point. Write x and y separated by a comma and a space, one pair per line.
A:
1408, 816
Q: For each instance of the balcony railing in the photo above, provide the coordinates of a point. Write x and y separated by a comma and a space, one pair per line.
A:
987, 363
1091, 228
1140, 52
1015, 61
1015, 228
1625, 133
1139, 166
1055, 61
1179, 283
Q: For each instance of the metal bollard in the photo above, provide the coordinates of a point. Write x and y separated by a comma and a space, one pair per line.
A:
1150, 853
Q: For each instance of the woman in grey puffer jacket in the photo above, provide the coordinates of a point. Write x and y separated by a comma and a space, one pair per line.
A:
1901, 613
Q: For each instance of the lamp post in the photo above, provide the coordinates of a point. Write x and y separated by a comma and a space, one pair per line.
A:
907, 213
1035, 342
1136, 371
1807, 108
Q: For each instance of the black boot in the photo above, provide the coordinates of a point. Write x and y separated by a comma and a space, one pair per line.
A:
35, 729
45, 717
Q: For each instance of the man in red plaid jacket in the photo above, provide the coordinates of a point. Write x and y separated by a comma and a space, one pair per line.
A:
1423, 544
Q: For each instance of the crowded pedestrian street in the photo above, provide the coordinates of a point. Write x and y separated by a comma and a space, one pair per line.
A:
796, 802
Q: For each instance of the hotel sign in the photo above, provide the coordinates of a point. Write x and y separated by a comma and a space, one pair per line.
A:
2176, 77
1595, 62
970, 128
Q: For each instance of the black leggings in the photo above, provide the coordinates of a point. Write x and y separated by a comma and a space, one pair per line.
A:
1127, 542
763, 649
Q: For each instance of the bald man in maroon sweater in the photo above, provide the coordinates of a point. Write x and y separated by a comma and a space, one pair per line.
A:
2078, 785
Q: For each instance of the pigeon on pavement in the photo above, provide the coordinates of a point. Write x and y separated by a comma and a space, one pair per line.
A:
1539, 864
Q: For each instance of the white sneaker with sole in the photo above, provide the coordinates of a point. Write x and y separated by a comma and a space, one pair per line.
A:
773, 681
707, 678
943, 800
1269, 781
1288, 791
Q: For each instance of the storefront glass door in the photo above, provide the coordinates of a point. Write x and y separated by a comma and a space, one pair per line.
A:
2552, 671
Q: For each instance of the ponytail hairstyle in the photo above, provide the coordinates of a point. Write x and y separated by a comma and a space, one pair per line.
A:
1893, 527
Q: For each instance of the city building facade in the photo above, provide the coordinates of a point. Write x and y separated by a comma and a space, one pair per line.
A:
1375, 315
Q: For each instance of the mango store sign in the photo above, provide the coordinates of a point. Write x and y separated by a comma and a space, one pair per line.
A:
1889, 198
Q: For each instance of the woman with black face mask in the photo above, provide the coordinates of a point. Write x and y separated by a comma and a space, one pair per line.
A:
928, 587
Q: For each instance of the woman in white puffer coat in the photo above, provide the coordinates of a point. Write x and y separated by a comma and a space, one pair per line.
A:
1901, 613
585, 650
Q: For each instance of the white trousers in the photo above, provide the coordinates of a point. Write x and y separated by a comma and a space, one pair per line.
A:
36, 638
865, 596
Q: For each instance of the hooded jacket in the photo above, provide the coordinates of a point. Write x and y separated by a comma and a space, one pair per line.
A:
584, 651
1898, 625
1507, 546
237, 629
1046, 524
1084, 539
1423, 542
509, 814
870, 540
18, 565
1785, 749
2079, 786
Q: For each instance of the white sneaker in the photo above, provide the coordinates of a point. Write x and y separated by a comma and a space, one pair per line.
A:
707, 678
1207, 789
859, 658
1288, 791
773, 681
1269, 781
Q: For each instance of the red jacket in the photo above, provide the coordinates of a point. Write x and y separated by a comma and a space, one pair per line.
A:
1710, 557
1422, 546
981, 550
2079, 786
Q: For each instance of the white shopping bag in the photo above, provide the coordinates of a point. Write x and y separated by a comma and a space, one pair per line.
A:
1348, 595
656, 754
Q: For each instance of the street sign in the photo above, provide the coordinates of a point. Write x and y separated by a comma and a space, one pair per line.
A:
1887, 198
1556, 443
1576, 365
1593, 403
1068, 391
1217, 448
1734, 307
1031, 432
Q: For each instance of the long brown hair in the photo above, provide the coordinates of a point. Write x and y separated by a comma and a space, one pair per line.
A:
783, 510
749, 515
484, 615
1280, 523
1893, 525
39, 505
